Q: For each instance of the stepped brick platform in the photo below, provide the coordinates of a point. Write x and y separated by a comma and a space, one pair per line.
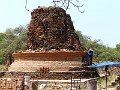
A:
52, 61
50, 65
59, 75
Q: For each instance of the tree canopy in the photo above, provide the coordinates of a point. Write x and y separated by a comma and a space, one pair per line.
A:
13, 40
101, 51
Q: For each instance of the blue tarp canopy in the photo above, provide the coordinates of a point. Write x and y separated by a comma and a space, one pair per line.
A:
104, 64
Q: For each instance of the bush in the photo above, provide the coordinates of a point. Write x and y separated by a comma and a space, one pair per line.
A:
2, 60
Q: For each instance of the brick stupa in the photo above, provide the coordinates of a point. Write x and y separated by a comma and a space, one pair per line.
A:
51, 28
53, 44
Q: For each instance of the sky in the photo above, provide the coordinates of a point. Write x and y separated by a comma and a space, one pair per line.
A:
101, 19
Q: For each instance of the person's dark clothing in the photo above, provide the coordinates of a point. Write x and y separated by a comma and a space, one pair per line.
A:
90, 53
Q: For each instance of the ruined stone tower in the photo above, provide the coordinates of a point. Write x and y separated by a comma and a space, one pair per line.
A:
51, 28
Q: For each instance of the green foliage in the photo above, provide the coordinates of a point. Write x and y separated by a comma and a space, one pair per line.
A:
13, 40
2, 69
101, 52
109, 54
118, 47
2, 37
2, 60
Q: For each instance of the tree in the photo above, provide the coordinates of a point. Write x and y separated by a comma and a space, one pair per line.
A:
101, 52
118, 47
63, 4
66, 4
12, 40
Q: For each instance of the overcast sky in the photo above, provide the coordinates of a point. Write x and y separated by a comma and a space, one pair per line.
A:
101, 19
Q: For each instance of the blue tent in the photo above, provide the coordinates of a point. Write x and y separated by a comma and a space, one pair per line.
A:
105, 65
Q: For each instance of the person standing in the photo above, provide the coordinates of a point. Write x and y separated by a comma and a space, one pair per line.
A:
90, 53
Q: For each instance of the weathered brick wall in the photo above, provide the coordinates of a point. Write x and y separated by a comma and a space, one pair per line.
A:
11, 84
33, 66
52, 28
57, 61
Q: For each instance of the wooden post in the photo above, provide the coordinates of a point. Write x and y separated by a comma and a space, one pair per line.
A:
71, 82
74, 83
92, 84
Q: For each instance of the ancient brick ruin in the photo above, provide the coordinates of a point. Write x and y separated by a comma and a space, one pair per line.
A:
51, 28
12, 83
54, 49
